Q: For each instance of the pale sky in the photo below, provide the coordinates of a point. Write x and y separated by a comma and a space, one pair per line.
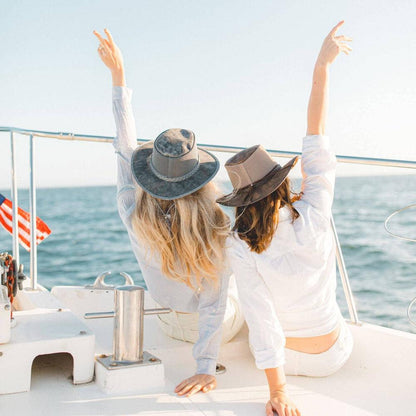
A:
234, 72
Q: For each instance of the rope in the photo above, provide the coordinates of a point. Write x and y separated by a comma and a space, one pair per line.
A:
391, 216
386, 222
413, 322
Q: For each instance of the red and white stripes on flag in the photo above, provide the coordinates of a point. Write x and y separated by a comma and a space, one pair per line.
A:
6, 213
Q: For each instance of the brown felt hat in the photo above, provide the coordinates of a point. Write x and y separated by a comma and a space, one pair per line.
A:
254, 175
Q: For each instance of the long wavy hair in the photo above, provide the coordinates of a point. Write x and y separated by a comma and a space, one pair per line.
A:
256, 223
188, 233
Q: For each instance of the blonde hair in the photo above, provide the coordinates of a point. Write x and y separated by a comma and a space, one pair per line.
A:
256, 223
188, 233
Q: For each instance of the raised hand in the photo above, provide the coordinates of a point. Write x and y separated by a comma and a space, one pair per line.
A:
111, 55
332, 46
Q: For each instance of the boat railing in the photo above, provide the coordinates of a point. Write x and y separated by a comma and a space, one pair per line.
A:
32, 134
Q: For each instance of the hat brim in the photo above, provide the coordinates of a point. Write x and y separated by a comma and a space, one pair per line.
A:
260, 189
162, 189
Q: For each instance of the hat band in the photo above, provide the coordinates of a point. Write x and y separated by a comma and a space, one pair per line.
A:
177, 178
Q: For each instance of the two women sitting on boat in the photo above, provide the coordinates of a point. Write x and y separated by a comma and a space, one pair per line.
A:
280, 250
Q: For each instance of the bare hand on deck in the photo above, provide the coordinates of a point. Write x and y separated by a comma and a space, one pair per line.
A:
282, 404
196, 383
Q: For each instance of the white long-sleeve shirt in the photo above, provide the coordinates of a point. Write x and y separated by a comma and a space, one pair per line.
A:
208, 302
289, 289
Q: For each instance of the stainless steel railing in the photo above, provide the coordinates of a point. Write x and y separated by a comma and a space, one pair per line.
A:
213, 148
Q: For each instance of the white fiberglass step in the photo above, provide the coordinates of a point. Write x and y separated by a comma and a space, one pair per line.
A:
45, 328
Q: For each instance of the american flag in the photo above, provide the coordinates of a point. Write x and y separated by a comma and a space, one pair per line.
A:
42, 230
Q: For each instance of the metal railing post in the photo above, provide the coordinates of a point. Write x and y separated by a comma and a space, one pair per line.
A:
33, 247
344, 277
14, 200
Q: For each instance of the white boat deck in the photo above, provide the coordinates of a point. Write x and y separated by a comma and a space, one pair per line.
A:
379, 379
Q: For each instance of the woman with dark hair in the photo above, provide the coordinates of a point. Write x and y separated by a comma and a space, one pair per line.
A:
283, 252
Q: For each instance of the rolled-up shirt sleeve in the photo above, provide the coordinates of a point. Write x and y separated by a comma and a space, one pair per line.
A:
318, 172
212, 304
124, 145
266, 337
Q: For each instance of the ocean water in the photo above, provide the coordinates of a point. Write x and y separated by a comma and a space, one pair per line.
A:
88, 238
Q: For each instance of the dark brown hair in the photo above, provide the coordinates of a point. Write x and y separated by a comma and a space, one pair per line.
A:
256, 223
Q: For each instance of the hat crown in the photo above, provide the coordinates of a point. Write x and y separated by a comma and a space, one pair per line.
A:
175, 142
175, 156
249, 166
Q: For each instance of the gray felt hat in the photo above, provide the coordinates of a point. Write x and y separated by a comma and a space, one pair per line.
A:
173, 166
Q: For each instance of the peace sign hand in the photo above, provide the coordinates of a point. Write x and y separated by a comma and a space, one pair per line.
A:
110, 53
332, 46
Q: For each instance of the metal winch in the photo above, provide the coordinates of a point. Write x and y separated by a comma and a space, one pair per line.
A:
11, 279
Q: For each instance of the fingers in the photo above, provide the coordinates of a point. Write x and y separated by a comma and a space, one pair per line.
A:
279, 409
336, 27
185, 389
205, 388
195, 389
110, 38
208, 387
346, 49
293, 412
104, 55
344, 45
180, 386
101, 52
196, 383
269, 409
282, 410
343, 38
103, 42
100, 38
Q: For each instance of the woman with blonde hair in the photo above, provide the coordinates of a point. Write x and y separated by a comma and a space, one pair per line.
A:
177, 231
283, 252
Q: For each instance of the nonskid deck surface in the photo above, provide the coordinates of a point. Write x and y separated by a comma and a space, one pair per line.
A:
377, 380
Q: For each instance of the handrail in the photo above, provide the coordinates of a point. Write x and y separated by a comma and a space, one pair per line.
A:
398, 163
213, 148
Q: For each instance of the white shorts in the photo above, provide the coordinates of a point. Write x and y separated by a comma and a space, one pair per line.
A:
324, 363
184, 326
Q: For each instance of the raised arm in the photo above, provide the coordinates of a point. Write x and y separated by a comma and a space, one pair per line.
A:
126, 138
318, 160
110, 54
318, 101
